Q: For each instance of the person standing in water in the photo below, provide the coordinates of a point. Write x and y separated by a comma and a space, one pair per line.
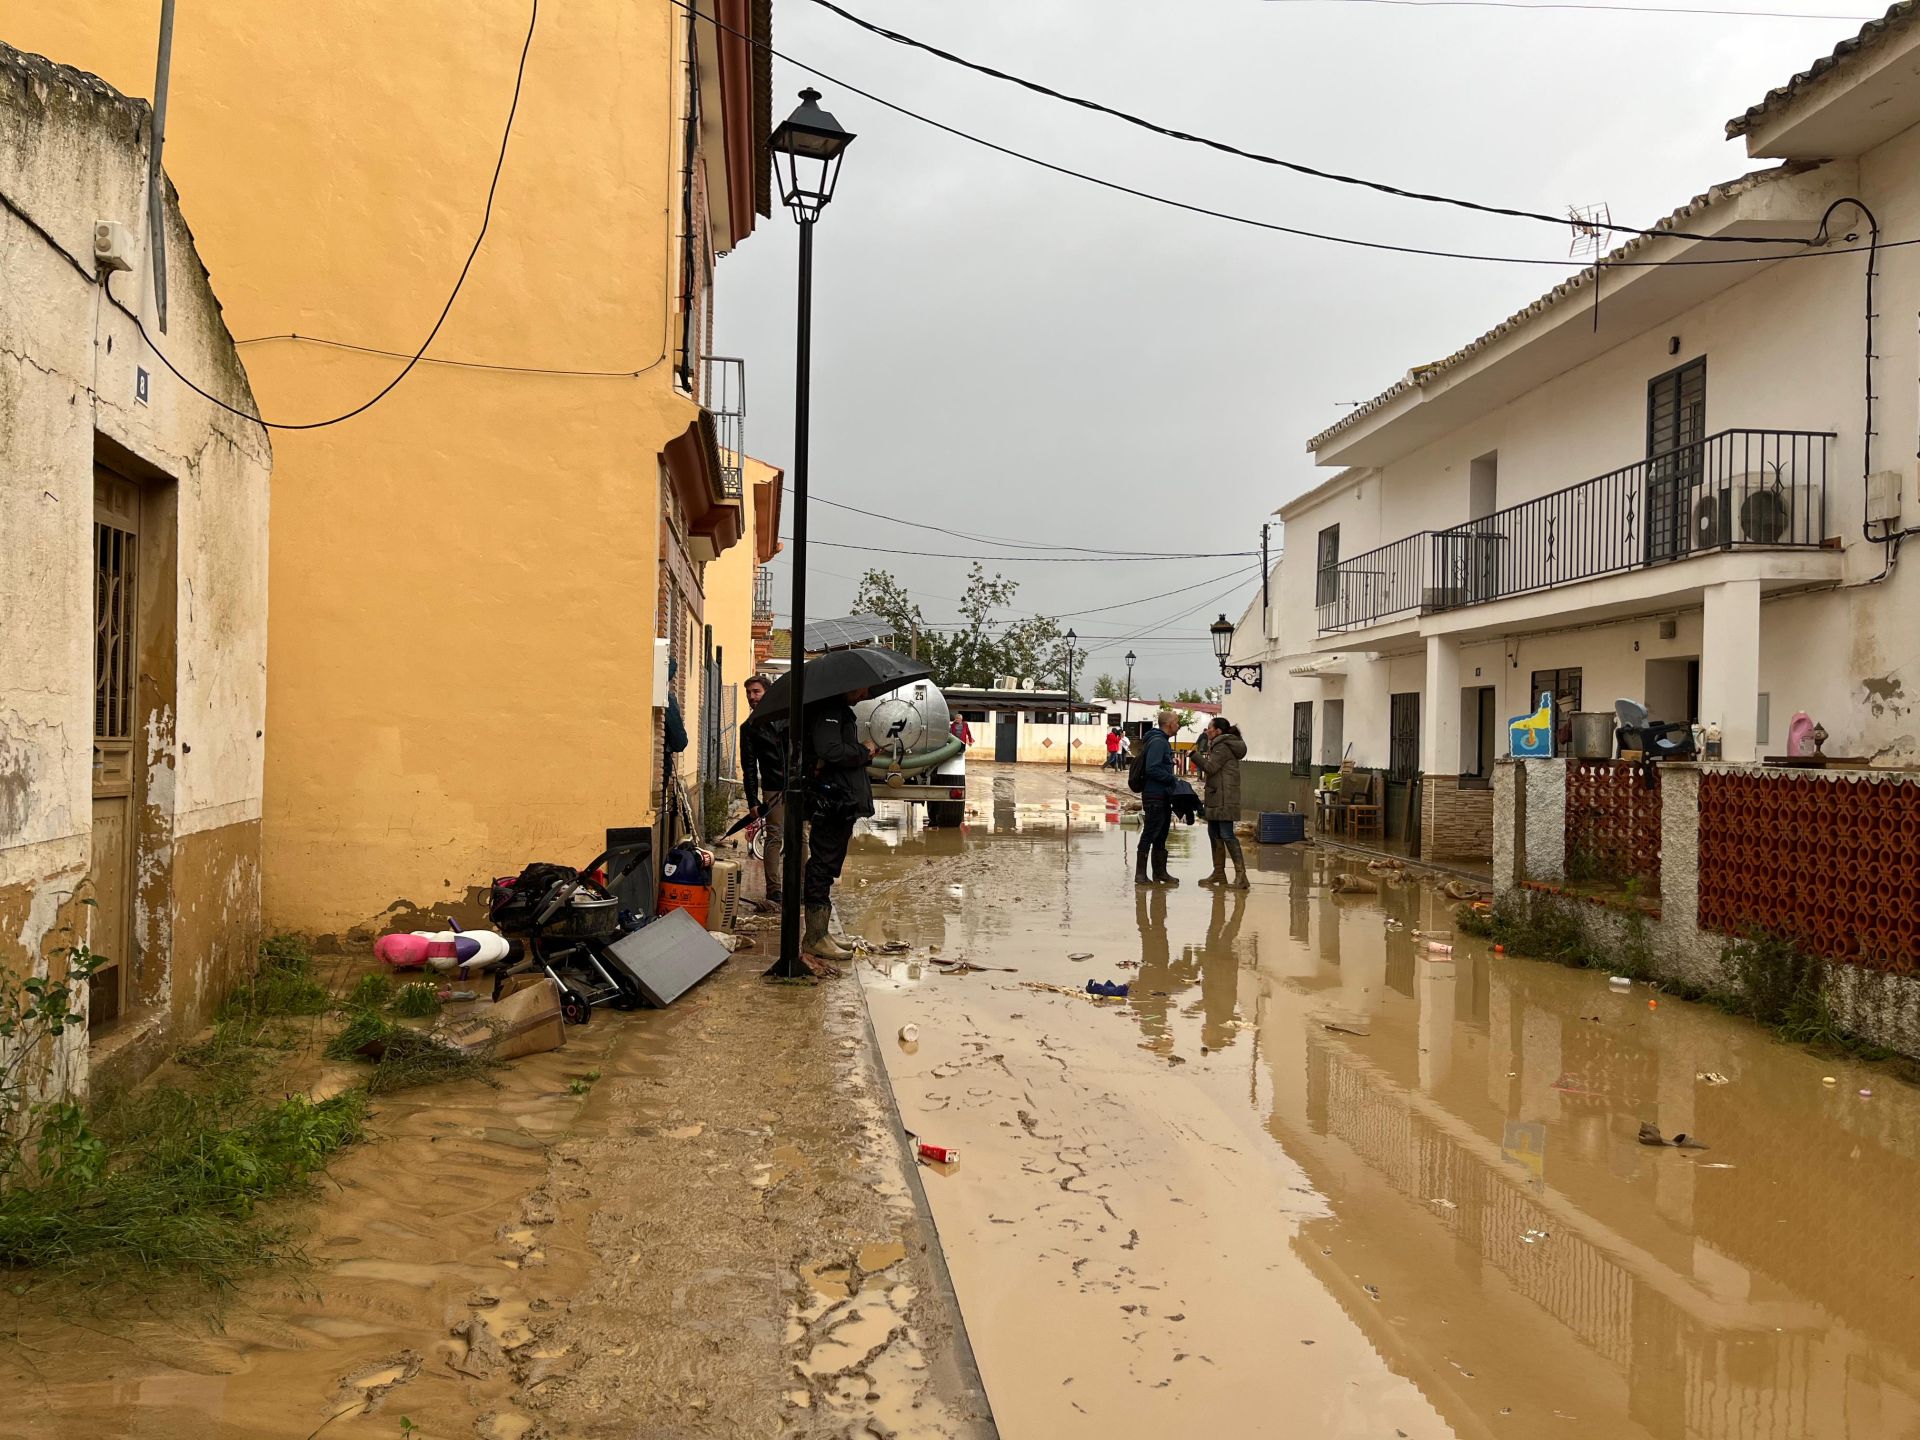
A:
1219, 760
839, 795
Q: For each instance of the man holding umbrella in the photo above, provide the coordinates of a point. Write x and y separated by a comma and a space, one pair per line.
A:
839, 796
831, 777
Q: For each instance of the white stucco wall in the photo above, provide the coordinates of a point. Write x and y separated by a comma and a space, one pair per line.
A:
73, 151
1784, 350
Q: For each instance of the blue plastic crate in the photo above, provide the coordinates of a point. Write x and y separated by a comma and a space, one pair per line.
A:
1282, 827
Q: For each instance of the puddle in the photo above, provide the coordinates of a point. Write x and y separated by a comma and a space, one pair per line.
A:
1429, 1168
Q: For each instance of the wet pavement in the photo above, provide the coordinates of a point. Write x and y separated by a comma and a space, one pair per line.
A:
1310, 1179
718, 1238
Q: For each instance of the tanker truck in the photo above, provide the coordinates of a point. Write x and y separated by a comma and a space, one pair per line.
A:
918, 758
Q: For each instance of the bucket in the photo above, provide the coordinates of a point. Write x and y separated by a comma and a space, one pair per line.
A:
1592, 735
696, 900
1282, 827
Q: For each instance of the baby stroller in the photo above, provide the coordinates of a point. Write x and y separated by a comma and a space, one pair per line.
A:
564, 919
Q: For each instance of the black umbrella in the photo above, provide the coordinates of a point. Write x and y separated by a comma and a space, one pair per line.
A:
872, 667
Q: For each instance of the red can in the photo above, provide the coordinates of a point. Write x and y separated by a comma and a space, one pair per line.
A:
939, 1154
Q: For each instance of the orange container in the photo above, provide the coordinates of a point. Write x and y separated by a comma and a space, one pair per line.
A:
694, 899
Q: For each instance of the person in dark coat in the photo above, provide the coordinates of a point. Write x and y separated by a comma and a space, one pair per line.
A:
763, 773
839, 795
1156, 802
1220, 763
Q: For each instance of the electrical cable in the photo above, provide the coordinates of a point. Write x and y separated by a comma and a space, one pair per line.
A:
460, 364
996, 540
1259, 157
486, 219
1031, 559
1601, 9
1152, 197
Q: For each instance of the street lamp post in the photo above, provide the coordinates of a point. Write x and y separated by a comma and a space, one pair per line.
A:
1126, 710
807, 148
1222, 632
1072, 639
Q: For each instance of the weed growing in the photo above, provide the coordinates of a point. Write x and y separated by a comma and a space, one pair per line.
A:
416, 1001
403, 1057
284, 984
371, 992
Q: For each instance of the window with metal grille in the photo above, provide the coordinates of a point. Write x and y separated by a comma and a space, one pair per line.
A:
113, 592
1302, 737
1326, 579
1403, 741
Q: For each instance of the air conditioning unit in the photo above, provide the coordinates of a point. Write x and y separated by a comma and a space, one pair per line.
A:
723, 907
1787, 515
1712, 521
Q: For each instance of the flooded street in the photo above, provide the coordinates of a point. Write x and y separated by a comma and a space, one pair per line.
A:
1307, 1180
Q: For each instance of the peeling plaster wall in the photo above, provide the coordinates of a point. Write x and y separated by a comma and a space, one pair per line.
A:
72, 151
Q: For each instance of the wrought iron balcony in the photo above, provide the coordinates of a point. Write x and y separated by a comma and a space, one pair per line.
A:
723, 390
763, 594
1738, 489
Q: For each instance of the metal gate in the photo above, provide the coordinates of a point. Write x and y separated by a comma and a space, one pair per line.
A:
1006, 737
1403, 754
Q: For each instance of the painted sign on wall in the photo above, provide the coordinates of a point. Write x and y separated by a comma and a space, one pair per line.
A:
1530, 737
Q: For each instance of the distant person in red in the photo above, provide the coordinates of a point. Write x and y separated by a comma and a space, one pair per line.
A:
960, 730
1113, 748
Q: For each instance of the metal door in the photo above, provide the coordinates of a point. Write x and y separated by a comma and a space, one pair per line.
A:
1006, 737
116, 544
1676, 426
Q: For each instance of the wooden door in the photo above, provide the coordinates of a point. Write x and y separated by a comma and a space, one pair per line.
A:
116, 544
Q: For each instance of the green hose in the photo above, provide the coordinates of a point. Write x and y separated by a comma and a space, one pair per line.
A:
925, 760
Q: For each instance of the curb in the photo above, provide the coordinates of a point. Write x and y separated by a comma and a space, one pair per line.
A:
973, 1386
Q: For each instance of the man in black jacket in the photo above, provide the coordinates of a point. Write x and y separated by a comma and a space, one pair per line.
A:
839, 796
763, 771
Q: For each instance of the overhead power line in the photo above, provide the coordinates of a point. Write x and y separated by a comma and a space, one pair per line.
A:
1601, 9
1258, 157
459, 364
1098, 550
1032, 559
1152, 197
486, 219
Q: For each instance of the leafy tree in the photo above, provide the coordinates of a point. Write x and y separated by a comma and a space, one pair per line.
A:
1198, 697
1106, 688
982, 647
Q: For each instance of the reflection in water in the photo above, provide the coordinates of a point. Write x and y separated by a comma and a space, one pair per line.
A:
1493, 1225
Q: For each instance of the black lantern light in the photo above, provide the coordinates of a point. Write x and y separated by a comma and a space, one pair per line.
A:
1222, 632
807, 148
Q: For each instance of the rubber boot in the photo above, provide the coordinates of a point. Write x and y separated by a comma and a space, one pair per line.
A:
1219, 875
1140, 876
1239, 864
818, 941
1160, 875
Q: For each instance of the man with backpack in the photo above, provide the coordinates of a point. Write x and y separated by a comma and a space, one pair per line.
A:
1152, 777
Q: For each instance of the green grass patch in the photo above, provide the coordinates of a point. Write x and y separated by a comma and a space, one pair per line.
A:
403, 1057
370, 992
170, 1181
284, 984
416, 1000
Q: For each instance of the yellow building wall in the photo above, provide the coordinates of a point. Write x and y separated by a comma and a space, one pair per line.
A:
463, 579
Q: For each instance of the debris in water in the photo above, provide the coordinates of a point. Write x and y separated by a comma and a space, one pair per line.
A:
1373, 1291
1534, 1237
1688, 1142
1107, 989
1650, 1134
1081, 955
1712, 1077
909, 1034
1866, 1094
1619, 982
1828, 1080
1444, 1204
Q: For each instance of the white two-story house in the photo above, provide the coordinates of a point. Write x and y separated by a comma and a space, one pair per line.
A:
1682, 477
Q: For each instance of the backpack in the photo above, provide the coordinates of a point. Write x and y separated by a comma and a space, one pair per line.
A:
1137, 767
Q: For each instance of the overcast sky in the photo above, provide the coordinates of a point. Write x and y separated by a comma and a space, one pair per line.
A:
1012, 352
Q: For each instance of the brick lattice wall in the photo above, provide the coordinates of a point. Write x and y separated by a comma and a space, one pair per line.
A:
1832, 861
1613, 822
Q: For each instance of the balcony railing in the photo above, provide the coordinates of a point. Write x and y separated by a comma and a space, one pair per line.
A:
763, 594
1737, 489
723, 390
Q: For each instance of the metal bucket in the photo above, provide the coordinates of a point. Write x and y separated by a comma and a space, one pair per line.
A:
1592, 735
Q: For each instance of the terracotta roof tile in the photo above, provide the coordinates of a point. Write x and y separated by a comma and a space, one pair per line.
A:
1871, 34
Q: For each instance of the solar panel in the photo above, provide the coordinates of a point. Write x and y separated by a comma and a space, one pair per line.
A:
845, 633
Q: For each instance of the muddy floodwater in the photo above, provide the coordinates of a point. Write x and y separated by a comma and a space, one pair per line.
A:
1308, 1179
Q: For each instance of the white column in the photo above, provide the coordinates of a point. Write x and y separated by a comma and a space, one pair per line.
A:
1440, 708
1730, 667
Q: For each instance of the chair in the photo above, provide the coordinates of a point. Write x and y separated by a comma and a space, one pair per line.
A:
1364, 811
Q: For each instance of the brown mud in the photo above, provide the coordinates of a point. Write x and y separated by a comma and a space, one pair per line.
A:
717, 1239
1311, 1178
